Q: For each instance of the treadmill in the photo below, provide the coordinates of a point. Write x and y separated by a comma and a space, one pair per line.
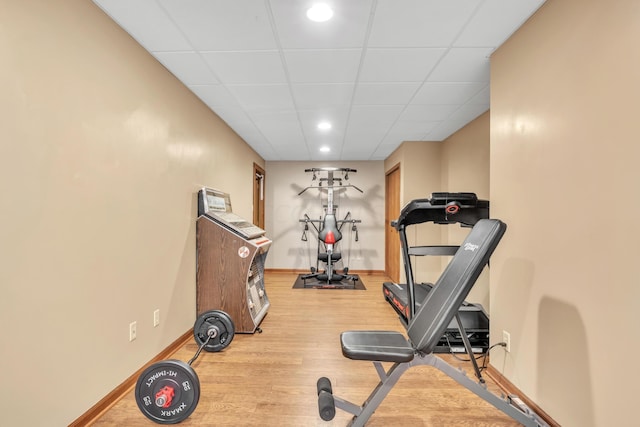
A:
441, 208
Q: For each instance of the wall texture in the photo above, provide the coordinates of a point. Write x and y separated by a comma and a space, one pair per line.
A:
564, 176
284, 207
101, 157
465, 168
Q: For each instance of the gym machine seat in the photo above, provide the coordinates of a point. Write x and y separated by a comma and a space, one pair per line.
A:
424, 332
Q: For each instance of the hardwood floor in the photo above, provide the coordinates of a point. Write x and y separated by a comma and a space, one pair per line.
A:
269, 379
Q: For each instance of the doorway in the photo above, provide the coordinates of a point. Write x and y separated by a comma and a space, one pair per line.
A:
258, 195
391, 212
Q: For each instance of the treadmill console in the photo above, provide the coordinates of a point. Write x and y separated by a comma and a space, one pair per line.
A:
444, 208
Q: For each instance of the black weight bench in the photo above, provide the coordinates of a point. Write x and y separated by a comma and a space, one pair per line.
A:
425, 330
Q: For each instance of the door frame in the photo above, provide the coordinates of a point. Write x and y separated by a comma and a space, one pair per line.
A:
259, 180
391, 212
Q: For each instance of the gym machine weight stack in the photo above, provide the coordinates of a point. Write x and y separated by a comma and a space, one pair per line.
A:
167, 392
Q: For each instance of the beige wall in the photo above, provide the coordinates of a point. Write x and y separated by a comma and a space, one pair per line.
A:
284, 207
458, 164
465, 168
465, 159
564, 176
419, 176
102, 153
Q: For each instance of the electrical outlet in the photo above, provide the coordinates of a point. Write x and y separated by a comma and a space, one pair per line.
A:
132, 331
156, 318
506, 337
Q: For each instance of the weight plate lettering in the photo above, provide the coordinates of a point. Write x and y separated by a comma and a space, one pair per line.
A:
168, 392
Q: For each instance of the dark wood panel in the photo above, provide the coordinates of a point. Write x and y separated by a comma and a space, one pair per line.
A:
222, 273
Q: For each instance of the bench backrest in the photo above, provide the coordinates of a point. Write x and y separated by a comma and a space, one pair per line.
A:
441, 305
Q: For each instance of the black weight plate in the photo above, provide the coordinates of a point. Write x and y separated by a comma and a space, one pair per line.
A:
177, 376
223, 325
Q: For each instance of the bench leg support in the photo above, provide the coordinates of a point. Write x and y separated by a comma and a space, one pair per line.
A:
511, 405
387, 381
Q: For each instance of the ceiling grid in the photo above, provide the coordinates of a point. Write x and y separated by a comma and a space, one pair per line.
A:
380, 71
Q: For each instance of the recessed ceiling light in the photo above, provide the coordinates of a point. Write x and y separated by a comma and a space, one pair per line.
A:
320, 12
325, 149
324, 125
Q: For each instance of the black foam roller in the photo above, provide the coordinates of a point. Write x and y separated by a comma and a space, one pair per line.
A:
326, 406
324, 384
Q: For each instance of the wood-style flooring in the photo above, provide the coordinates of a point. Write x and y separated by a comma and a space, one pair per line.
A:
269, 379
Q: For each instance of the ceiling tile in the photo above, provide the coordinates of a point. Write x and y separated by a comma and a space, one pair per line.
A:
395, 138
495, 21
463, 65
259, 143
446, 93
189, 67
374, 116
384, 93
147, 22
269, 115
358, 137
214, 95
412, 129
279, 127
332, 154
290, 155
222, 24
382, 71
323, 66
399, 65
246, 67
260, 96
235, 117
332, 140
310, 118
355, 155
383, 151
481, 97
426, 113
320, 95
251, 133
347, 28
419, 23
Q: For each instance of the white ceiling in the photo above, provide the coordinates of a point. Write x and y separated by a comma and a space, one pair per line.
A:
381, 71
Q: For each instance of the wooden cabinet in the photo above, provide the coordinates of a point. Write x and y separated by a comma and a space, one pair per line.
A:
230, 274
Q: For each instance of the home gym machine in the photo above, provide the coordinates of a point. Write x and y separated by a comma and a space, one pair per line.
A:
424, 332
167, 392
441, 208
329, 231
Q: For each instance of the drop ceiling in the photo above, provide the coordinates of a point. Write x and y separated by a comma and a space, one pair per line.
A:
380, 71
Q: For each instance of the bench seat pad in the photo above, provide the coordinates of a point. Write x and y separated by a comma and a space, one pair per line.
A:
336, 256
376, 346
